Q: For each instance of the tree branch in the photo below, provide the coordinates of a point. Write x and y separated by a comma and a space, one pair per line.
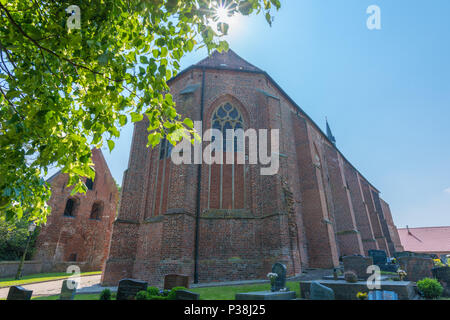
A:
19, 28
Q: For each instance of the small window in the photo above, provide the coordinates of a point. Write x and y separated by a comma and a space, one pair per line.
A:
89, 184
96, 212
73, 257
69, 211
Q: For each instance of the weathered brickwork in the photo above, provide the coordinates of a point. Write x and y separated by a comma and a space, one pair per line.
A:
81, 238
305, 216
396, 245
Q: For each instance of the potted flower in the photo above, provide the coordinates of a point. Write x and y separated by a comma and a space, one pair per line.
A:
401, 274
272, 277
362, 295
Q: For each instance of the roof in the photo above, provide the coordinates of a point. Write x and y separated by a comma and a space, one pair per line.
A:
229, 60
429, 239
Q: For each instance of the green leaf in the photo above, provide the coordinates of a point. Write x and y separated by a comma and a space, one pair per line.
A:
111, 145
136, 117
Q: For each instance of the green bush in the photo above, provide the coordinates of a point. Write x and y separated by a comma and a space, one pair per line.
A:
105, 295
172, 293
142, 295
153, 291
430, 288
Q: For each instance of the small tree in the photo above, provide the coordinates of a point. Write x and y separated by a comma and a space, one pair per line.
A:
65, 90
430, 288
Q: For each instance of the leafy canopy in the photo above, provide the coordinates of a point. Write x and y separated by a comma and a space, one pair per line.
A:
64, 91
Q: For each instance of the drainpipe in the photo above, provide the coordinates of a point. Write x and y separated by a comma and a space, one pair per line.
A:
199, 185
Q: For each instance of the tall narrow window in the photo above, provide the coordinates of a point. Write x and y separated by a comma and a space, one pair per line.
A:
227, 181
69, 210
166, 149
96, 212
89, 184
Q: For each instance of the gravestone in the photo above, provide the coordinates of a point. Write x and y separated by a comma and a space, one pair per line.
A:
379, 257
175, 280
186, 295
358, 264
19, 293
382, 295
280, 281
68, 290
129, 287
442, 274
401, 254
416, 268
318, 291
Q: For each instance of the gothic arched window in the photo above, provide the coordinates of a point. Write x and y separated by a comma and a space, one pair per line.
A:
226, 181
227, 117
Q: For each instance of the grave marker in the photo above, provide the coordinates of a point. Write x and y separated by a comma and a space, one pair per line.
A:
19, 293
129, 287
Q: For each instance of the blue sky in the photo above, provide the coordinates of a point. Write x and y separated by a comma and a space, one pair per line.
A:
386, 92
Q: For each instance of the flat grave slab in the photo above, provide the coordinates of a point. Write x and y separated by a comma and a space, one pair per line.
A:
383, 277
266, 295
347, 291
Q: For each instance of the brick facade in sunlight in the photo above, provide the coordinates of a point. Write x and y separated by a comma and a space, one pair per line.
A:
316, 209
78, 230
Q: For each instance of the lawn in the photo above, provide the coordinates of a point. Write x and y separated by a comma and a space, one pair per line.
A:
209, 293
40, 277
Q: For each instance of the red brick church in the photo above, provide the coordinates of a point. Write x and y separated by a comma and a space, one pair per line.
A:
227, 221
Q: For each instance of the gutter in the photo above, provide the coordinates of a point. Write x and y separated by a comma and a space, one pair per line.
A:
199, 185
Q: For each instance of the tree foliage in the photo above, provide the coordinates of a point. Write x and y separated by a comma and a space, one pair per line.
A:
13, 240
64, 91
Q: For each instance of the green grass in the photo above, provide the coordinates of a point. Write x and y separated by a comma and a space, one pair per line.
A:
209, 293
40, 277
93, 296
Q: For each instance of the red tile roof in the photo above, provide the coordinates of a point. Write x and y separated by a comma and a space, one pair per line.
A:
431, 239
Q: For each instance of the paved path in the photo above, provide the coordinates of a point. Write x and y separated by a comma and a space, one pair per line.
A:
54, 287
91, 284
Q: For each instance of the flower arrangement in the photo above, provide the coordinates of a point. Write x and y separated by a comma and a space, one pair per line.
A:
438, 263
362, 295
401, 274
272, 277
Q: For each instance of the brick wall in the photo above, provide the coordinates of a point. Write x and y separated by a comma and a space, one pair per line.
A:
64, 238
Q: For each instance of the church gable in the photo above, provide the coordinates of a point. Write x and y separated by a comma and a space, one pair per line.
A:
227, 60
